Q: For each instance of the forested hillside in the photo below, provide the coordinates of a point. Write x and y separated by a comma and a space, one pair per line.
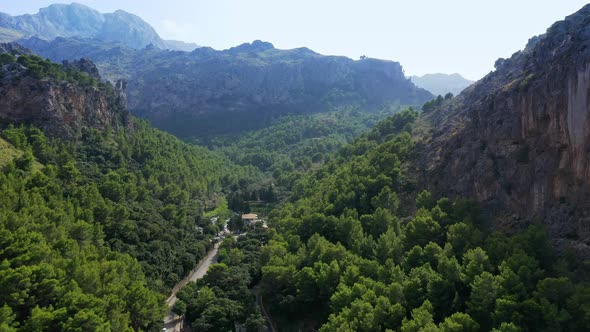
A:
353, 252
469, 213
289, 148
97, 223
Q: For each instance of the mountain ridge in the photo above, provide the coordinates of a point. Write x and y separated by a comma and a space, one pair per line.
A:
77, 20
252, 83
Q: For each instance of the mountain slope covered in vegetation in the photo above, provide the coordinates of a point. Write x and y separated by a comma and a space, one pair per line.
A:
207, 92
355, 252
101, 213
468, 216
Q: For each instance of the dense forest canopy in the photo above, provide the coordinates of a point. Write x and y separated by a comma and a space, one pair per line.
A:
227, 293
120, 216
351, 253
102, 216
106, 210
289, 148
97, 229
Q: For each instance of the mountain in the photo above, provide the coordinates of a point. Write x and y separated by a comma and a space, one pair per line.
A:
62, 108
100, 213
48, 113
210, 92
180, 45
8, 35
61, 20
441, 84
463, 217
498, 241
361, 248
518, 139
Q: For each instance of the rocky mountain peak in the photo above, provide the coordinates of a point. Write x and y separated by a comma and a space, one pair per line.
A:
77, 20
255, 46
187, 93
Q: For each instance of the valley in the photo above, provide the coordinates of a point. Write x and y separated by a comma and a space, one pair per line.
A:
173, 322
134, 170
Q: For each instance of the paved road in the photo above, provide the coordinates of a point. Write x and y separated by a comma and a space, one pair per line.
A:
172, 322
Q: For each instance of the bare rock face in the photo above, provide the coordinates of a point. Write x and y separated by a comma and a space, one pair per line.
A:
195, 94
83, 65
69, 20
519, 140
13, 48
60, 108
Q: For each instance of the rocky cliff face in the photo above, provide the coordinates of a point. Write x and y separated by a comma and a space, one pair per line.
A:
61, 20
83, 65
519, 139
60, 108
210, 92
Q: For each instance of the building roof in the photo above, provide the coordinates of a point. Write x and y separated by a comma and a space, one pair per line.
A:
250, 216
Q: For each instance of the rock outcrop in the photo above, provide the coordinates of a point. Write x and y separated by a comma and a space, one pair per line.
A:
70, 20
83, 65
60, 108
210, 92
519, 139
13, 48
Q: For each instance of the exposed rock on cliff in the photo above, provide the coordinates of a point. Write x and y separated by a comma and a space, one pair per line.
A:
208, 91
13, 48
83, 65
69, 20
59, 107
519, 139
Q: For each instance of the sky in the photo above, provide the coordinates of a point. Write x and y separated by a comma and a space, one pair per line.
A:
425, 36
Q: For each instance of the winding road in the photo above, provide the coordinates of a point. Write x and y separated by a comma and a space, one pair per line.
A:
173, 322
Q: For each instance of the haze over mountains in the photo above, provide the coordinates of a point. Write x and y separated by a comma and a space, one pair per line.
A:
62, 20
184, 92
441, 84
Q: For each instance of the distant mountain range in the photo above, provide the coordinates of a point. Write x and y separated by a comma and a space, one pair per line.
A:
76, 20
441, 84
195, 94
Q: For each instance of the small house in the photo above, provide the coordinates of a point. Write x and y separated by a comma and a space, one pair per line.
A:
249, 218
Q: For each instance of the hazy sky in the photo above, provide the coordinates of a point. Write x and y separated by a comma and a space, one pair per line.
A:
425, 36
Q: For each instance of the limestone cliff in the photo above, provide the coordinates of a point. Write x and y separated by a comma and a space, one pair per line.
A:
210, 92
62, 108
519, 139
68, 20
